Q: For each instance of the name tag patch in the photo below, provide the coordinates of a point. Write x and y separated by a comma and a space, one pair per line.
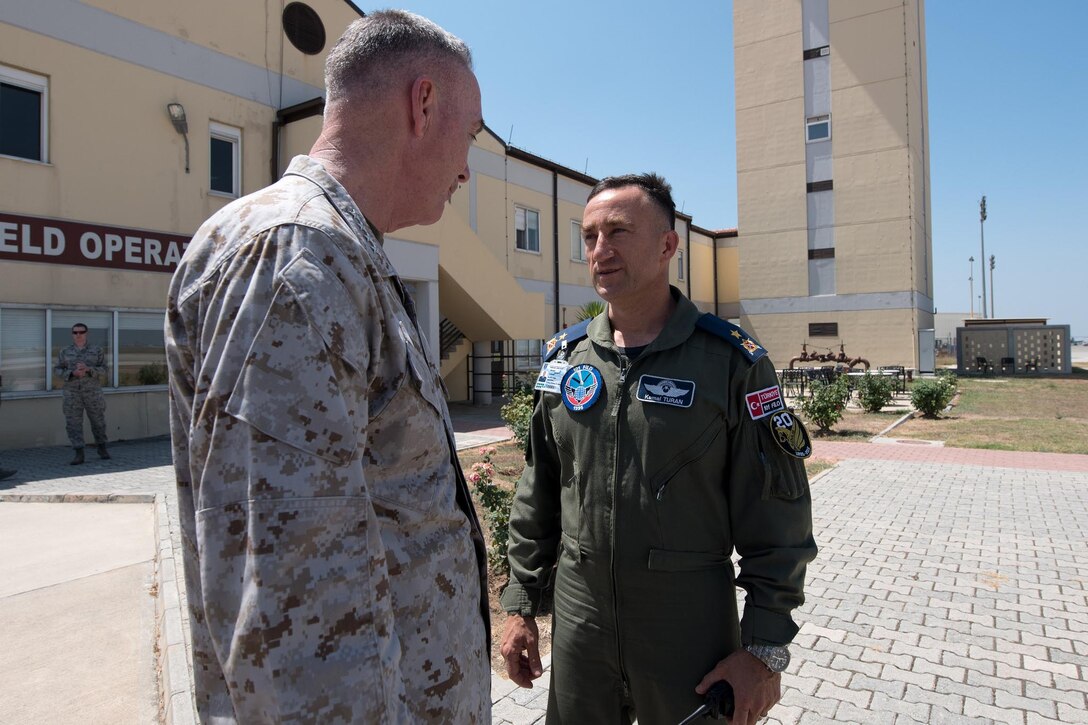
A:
764, 402
666, 391
582, 387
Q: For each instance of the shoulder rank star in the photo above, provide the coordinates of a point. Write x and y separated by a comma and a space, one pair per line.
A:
550, 344
735, 334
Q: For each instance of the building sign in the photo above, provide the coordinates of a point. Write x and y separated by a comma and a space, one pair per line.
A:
56, 241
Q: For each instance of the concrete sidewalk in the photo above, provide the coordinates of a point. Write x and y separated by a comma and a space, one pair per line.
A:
77, 613
951, 586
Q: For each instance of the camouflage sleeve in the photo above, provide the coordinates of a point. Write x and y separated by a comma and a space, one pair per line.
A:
534, 520
63, 367
771, 510
292, 578
98, 363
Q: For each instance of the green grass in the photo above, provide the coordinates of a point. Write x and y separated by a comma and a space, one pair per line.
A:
1048, 414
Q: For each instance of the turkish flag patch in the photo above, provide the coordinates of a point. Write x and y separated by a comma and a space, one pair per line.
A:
764, 402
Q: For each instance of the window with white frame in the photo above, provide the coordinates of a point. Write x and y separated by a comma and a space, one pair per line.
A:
24, 114
680, 264
577, 245
226, 159
526, 229
28, 354
141, 349
818, 128
22, 349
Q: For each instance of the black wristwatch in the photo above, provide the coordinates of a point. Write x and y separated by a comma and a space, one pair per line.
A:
775, 656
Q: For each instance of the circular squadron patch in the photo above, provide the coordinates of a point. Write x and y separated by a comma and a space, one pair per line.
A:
582, 387
790, 434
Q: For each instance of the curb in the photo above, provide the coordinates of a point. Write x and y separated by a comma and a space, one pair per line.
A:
175, 682
175, 679
906, 416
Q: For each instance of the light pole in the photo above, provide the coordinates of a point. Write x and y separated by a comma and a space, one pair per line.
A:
971, 282
992, 313
982, 239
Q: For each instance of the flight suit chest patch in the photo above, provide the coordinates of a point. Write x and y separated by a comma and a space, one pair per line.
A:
790, 435
764, 402
666, 391
582, 386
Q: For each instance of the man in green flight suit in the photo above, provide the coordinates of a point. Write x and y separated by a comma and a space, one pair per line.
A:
660, 444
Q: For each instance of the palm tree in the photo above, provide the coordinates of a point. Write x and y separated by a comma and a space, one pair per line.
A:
589, 310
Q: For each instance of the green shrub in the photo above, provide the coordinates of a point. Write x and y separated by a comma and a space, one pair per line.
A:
948, 377
152, 374
875, 391
517, 414
827, 403
495, 500
930, 397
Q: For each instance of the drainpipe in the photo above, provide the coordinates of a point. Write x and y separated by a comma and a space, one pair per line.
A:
284, 116
687, 255
714, 257
555, 247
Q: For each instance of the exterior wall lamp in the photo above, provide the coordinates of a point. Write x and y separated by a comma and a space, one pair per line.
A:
177, 117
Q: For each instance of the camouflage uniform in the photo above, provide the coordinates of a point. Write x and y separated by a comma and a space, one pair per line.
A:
334, 564
632, 507
83, 393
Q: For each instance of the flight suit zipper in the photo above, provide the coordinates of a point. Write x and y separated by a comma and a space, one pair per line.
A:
621, 394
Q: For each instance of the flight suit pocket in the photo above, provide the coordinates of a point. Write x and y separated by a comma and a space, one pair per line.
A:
660, 480
784, 477
570, 546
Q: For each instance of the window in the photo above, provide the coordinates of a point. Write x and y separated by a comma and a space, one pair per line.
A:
141, 354
680, 264
226, 155
818, 128
823, 329
577, 244
526, 229
22, 349
527, 355
26, 361
24, 102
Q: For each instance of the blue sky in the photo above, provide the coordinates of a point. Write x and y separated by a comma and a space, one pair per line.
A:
614, 86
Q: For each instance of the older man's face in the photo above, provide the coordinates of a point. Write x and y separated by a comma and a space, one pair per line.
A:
445, 166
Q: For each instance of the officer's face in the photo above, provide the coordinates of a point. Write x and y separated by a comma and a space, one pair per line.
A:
628, 244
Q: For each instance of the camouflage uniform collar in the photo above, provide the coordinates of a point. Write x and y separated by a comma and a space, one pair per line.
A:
373, 240
677, 329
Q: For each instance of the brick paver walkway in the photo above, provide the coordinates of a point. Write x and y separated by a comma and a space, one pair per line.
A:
951, 585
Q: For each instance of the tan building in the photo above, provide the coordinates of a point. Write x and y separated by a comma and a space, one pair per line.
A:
128, 123
833, 176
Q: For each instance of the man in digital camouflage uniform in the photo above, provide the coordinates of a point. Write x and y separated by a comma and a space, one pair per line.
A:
659, 445
334, 564
80, 366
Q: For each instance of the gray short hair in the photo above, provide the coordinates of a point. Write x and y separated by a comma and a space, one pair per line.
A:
376, 49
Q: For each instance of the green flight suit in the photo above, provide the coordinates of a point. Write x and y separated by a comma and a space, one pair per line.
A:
641, 503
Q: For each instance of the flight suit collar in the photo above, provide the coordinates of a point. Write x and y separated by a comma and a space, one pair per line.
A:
677, 329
